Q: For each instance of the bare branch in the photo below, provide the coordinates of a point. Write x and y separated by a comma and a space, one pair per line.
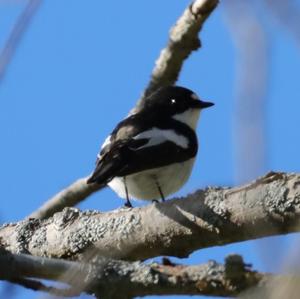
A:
251, 81
68, 197
215, 216
287, 13
183, 40
16, 34
36, 285
119, 279
20, 268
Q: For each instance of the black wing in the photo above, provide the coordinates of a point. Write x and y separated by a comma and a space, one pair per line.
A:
124, 156
114, 160
129, 156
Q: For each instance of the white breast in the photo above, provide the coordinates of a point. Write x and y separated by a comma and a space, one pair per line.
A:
142, 185
190, 117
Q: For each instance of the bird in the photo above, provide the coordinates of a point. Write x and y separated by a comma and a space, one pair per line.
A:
150, 154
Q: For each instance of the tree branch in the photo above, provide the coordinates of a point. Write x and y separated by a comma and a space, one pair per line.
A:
251, 87
16, 34
215, 216
119, 279
36, 285
68, 197
182, 41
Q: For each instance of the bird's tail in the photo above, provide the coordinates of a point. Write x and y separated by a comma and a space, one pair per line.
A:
91, 180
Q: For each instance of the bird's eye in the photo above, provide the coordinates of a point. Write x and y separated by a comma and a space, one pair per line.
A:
173, 101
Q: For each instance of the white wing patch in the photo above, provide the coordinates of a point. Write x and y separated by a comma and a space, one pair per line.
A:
157, 136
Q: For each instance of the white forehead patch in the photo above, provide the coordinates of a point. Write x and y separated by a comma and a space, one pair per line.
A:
194, 96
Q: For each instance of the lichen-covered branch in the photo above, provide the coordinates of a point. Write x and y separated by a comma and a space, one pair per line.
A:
182, 41
215, 216
114, 279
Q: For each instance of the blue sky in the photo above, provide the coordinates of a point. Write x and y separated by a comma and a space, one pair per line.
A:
79, 69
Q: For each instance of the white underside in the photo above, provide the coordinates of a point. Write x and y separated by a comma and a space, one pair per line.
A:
142, 185
171, 178
190, 117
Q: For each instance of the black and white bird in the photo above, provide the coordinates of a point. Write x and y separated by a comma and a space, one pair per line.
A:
150, 154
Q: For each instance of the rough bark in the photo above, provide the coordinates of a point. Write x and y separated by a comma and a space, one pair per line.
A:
119, 279
211, 217
183, 40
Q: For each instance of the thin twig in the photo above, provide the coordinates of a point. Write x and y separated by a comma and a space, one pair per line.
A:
68, 197
16, 34
287, 14
36, 285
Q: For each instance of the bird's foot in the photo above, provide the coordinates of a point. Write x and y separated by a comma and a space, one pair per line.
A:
128, 204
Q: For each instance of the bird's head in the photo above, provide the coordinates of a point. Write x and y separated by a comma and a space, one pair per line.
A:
178, 103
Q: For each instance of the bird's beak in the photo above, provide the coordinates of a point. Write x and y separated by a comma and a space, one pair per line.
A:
201, 104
